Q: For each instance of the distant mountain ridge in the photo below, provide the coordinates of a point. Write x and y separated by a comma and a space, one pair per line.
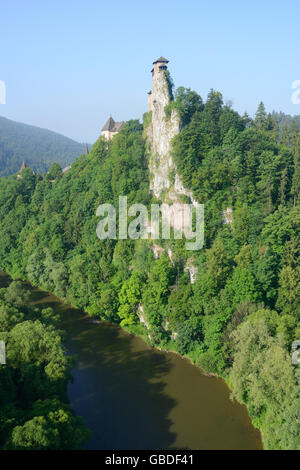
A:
38, 147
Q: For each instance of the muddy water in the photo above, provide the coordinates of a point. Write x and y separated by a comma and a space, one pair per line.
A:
135, 397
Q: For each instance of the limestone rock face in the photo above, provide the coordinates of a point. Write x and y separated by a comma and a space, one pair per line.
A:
180, 189
162, 132
165, 182
142, 316
227, 216
157, 251
192, 270
160, 135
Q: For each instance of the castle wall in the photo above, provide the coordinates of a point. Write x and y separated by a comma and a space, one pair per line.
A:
108, 135
156, 67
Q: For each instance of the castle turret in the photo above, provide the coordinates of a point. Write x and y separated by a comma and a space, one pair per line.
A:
159, 65
23, 166
111, 128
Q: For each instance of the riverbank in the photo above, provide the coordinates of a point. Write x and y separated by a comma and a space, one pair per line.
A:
192, 409
193, 362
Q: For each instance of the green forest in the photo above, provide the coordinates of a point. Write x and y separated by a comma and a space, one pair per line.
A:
35, 414
239, 318
38, 147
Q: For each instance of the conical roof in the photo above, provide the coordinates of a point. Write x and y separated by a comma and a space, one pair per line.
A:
110, 124
161, 59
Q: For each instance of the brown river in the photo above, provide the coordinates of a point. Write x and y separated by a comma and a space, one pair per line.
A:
134, 397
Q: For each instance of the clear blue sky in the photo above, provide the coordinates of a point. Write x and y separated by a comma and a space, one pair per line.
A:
68, 64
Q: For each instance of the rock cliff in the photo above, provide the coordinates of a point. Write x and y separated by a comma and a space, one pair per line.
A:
165, 182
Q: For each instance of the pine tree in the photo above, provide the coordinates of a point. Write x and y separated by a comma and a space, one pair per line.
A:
285, 135
261, 120
293, 136
247, 120
283, 185
275, 127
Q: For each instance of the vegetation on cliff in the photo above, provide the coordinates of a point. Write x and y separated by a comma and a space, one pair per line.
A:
240, 317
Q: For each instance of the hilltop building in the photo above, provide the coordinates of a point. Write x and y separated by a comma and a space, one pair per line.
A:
160, 131
159, 65
111, 128
23, 166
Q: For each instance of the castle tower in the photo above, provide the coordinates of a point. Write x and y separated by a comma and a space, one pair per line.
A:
161, 130
159, 96
159, 65
111, 128
165, 182
23, 166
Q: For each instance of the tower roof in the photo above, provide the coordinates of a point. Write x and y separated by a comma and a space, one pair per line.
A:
113, 126
118, 126
161, 59
110, 124
23, 166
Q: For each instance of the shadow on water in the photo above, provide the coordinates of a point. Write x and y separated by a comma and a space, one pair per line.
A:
135, 397
118, 383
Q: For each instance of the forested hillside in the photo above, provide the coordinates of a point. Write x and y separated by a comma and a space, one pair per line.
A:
286, 120
241, 315
38, 147
35, 414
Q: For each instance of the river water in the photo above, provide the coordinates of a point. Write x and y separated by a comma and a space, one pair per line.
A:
134, 397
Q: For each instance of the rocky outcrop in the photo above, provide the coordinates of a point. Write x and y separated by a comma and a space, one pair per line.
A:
170, 256
156, 250
192, 270
142, 316
161, 133
227, 216
165, 181
180, 189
